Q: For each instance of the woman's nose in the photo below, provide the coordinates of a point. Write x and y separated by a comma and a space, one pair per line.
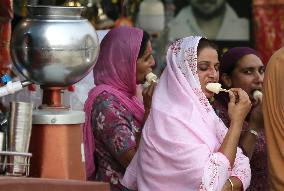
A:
259, 77
152, 62
213, 73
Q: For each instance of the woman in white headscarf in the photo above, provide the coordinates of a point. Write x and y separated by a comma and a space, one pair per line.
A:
185, 146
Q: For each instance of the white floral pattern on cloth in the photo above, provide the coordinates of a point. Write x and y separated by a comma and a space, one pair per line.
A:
100, 120
183, 69
175, 46
202, 99
114, 131
215, 167
190, 58
241, 173
221, 132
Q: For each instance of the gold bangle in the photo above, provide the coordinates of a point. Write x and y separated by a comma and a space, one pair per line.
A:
232, 185
254, 132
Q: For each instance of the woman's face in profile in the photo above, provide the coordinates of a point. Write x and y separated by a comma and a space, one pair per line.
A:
145, 64
207, 68
248, 74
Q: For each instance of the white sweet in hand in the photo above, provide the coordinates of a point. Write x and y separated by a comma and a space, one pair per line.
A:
214, 87
151, 77
257, 95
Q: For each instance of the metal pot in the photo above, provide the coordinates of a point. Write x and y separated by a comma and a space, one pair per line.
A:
54, 46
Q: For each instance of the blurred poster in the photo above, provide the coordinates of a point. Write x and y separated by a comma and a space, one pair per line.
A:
268, 28
227, 22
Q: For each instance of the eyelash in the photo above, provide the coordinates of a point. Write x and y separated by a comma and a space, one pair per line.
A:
206, 68
261, 71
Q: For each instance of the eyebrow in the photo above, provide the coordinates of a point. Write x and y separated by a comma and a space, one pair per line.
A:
207, 62
251, 68
203, 62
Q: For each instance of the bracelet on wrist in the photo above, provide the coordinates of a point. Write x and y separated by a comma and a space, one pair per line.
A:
232, 185
254, 132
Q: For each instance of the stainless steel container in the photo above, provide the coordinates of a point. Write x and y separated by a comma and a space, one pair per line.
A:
20, 126
54, 46
19, 135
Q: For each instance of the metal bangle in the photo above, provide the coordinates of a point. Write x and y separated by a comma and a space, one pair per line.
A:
232, 185
253, 132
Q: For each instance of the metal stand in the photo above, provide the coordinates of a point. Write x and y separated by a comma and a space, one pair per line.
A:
15, 163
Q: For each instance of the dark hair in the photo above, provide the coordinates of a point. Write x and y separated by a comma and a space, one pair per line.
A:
205, 43
145, 39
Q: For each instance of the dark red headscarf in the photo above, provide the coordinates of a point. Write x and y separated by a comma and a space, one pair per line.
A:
230, 58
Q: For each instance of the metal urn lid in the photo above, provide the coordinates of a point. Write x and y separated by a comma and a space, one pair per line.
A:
54, 46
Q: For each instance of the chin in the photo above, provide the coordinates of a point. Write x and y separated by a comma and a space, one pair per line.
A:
209, 95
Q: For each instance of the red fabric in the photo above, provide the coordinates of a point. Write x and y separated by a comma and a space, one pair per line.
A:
6, 9
266, 2
5, 35
6, 15
268, 27
4, 61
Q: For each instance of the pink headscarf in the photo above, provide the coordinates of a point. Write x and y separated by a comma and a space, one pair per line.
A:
114, 72
182, 135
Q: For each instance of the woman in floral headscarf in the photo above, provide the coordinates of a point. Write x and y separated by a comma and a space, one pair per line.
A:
114, 115
184, 145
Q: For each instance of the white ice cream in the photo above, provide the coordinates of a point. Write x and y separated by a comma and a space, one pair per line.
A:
214, 87
151, 77
257, 95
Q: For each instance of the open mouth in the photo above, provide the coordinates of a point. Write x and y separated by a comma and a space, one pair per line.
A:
251, 92
208, 91
253, 97
211, 81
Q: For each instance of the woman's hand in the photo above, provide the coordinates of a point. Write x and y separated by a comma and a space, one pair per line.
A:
255, 123
227, 186
256, 118
239, 105
237, 185
147, 94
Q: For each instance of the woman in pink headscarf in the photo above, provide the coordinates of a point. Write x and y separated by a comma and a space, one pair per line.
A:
114, 115
184, 145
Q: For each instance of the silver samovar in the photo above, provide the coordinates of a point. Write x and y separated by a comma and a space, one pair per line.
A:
55, 47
